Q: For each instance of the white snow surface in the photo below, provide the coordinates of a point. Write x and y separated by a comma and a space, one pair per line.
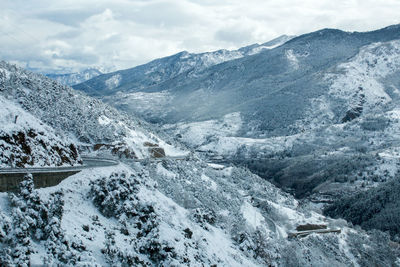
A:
252, 216
14, 118
292, 58
374, 62
113, 82
208, 243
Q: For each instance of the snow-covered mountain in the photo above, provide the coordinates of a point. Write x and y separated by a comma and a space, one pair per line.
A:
293, 113
174, 212
160, 70
261, 87
74, 78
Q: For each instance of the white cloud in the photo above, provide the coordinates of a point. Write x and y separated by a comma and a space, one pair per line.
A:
124, 33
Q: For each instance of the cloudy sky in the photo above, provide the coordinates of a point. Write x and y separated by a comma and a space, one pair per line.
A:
74, 34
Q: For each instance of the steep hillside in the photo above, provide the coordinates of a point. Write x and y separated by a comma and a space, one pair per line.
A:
377, 208
87, 121
272, 89
25, 141
174, 214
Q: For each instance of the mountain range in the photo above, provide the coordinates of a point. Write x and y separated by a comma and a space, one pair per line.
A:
74, 78
292, 113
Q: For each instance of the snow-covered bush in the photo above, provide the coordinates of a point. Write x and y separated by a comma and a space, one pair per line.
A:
34, 220
26, 140
203, 217
116, 196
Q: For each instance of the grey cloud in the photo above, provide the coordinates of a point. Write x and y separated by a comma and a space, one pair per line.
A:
69, 34
234, 35
68, 17
159, 14
124, 33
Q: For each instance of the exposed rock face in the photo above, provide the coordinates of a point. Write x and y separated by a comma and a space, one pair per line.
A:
120, 149
22, 149
154, 150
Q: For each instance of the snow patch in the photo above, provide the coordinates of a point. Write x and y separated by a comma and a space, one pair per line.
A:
164, 172
113, 82
213, 185
103, 120
292, 58
252, 216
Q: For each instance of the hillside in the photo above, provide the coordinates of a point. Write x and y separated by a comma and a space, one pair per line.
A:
282, 82
158, 71
87, 121
174, 214
377, 208
25, 141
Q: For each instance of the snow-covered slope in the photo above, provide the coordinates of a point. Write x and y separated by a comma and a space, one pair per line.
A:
175, 213
75, 77
271, 89
128, 82
86, 120
363, 88
26, 141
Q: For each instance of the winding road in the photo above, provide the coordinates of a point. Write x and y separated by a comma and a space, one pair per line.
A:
10, 178
88, 162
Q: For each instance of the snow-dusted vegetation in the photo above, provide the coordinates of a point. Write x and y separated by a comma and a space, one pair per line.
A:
86, 120
377, 208
140, 215
26, 141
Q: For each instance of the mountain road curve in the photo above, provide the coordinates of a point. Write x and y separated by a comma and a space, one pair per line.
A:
10, 178
88, 162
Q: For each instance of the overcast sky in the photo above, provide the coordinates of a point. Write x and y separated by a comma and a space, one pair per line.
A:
74, 34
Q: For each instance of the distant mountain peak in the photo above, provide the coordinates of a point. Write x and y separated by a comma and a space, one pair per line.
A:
73, 78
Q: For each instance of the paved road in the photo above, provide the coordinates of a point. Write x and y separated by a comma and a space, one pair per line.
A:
10, 178
88, 162
156, 159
